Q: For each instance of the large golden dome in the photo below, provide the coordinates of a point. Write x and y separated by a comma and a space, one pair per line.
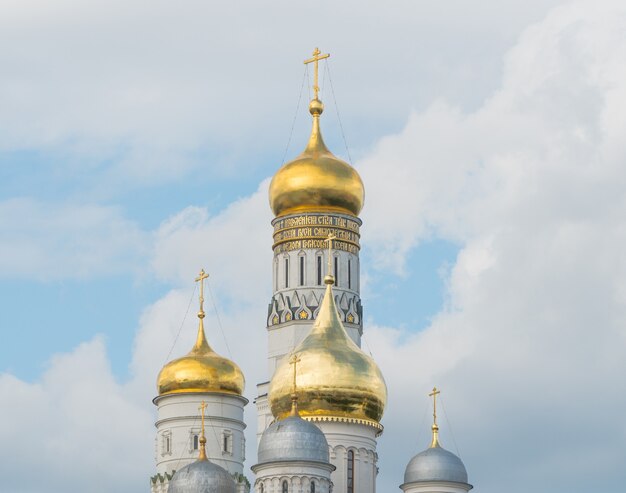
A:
202, 369
335, 377
316, 180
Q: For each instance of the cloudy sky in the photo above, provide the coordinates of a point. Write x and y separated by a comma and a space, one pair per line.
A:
136, 143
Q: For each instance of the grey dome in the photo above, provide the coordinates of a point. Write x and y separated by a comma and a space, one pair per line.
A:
435, 464
293, 438
202, 476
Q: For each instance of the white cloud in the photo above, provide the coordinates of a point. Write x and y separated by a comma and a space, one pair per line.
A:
52, 241
151, 86
529, 347
75, 430
234, 246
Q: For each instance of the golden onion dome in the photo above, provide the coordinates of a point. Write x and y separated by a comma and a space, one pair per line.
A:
202, 369
316, 180
335, 377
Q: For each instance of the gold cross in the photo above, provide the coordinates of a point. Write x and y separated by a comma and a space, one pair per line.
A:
317, 56
201, 277
329, 240
434, 394
203, 406
294, 360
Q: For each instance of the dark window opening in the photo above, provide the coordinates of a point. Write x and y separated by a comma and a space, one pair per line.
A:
337, 271
195, 442
349, 274
319, 270
286, 272
285, 487
302, 271
350, 471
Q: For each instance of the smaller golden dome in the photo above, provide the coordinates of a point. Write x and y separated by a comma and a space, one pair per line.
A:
316, 180
202, 369
335, 377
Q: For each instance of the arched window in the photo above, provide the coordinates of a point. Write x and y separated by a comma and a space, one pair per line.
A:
261, 488
319, 270
301, 270
195, 442
167, 443
337, 271
285, 487
276, 275
350, 471
312, 486
349, 274
287, 272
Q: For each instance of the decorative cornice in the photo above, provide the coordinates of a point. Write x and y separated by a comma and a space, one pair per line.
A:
220, 394
343, 419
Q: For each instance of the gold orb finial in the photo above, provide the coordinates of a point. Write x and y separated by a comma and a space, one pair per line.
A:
316, 107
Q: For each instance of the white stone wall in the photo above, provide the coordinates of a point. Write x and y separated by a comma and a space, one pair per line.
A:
343, 436
298, 474
162, 487
178, 420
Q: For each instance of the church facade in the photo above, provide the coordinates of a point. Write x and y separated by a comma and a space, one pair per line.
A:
319, 416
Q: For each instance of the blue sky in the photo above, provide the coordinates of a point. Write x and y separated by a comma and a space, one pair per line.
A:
136, 140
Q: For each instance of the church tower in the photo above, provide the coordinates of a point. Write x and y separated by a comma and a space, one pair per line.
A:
316, 309
202, 381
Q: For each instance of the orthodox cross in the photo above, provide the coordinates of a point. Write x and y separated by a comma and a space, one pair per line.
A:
317, 56
202, 456
329, 240
434, 395
294, 360
201, 277
203, 406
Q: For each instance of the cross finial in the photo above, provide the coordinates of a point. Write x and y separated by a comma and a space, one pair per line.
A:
329, 240
201, 277
317, 56
294, 360
435, 428
202, 408
434, 395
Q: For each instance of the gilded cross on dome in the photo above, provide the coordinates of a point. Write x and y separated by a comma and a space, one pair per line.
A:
317, 56
202, 408
294, 360
201, 277
435, 428
329, 240
434, 395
